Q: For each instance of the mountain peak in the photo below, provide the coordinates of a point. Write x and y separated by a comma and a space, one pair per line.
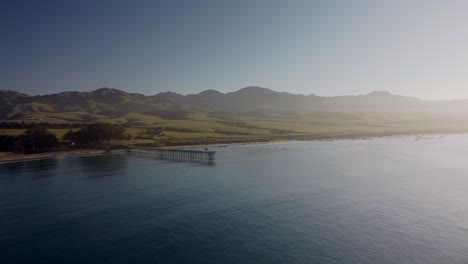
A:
380, 94
7, 94
168, 95
210, 92
255, 89
108, 91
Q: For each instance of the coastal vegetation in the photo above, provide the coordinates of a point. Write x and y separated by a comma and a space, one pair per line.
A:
109, 116
35, 139
94, 135
38, 138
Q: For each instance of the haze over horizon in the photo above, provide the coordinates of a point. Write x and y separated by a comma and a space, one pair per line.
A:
379, 92
328, 48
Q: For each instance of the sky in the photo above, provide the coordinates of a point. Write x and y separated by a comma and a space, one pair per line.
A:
408, 47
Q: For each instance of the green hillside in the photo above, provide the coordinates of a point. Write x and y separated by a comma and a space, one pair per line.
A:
252, 113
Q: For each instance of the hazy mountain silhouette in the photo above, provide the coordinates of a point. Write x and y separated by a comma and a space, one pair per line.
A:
112, 103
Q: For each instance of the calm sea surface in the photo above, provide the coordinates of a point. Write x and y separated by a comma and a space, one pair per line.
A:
391, 200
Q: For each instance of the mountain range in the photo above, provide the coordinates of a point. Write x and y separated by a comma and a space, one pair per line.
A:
249, 104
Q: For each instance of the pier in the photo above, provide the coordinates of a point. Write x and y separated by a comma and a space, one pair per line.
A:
180, 154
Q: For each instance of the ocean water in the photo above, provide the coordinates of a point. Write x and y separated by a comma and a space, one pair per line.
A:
389, 200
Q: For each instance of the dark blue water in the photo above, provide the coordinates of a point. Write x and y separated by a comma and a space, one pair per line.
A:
393, 200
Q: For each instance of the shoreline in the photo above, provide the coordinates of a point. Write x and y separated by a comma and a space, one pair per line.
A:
9, 158
12, 157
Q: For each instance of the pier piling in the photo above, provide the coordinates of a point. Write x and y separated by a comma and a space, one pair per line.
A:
180, 154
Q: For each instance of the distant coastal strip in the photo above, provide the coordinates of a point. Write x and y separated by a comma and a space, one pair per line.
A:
15, 157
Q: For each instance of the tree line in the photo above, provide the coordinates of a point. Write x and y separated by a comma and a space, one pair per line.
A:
94, 135
38, 139
35, 139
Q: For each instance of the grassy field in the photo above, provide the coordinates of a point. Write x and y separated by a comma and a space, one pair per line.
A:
16, 132
11, 132
203, 128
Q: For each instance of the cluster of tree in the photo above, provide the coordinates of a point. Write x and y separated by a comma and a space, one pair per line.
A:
96, 134
25, 125
151, 133
35, 139
154, 132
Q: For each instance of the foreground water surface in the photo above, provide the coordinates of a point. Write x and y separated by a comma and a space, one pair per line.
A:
389, 200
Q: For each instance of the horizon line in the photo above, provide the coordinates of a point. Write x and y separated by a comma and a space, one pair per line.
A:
246, 87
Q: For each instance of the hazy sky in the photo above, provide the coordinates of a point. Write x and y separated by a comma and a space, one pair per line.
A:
416, 48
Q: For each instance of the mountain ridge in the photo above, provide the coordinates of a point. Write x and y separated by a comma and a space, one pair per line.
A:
110, 90
115, 103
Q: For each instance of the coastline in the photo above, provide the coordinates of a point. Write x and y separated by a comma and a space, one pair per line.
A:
12, 157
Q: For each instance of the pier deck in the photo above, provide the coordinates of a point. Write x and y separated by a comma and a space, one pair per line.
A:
180, 154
